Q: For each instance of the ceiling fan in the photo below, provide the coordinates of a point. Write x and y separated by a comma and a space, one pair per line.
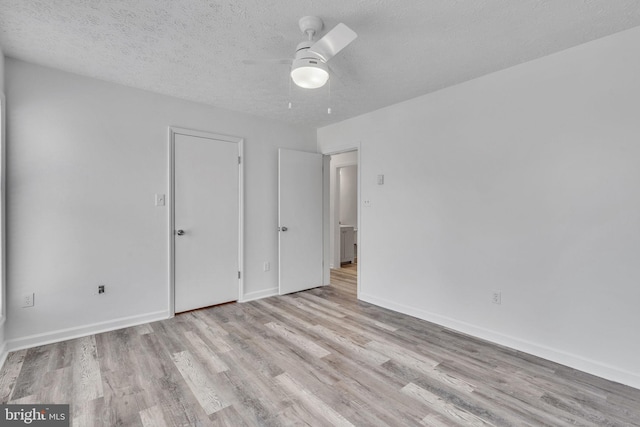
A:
309, 67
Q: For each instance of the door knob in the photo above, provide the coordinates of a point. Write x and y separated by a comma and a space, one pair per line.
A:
283, 228
180, 232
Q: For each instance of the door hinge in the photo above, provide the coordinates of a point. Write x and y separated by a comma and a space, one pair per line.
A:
238, 274
239, 160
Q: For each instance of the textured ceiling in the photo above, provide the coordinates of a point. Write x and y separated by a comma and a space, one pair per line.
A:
195, 49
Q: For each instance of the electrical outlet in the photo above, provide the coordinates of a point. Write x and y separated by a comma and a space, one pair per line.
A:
367, 203
497, 297
28, 300
267, 266
101, 289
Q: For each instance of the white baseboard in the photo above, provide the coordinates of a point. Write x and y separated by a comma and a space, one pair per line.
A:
593, 367
4, 352
259, 295
81, 331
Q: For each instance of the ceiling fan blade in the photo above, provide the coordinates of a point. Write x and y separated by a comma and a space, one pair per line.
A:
333, 42
267, 61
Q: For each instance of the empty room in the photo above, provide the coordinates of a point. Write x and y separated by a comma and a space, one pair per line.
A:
371, 213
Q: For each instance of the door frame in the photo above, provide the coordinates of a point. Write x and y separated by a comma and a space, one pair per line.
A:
328, 152
336, 211
173, 131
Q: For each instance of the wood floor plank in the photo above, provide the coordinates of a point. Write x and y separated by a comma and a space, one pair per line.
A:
343, 311
196, 378
228, 417
404, 356
33, 370
90, 413
209, 320
9, 374
435, 420
318, 357
211, 335
298, 340
144, 329
57, 388
205, 354
153, 417
445, 408
354, 350
369, 384
287, 316
313, 404
313, 308
167, 387
86, 370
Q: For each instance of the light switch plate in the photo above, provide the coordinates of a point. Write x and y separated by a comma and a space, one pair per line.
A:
160, 200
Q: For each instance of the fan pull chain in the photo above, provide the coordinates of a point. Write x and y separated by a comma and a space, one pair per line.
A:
329, 87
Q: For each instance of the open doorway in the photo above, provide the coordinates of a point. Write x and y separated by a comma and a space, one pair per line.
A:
343, 217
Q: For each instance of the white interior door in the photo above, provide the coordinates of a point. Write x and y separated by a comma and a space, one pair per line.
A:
206, 221
300, 220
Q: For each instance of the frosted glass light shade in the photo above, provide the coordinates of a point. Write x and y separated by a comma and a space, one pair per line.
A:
309, 73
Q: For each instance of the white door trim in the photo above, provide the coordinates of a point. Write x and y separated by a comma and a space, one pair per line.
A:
326, 220
3, 220
173, 131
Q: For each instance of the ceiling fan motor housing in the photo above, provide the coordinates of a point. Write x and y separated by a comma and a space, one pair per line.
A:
303, 51
308, 70
309, 62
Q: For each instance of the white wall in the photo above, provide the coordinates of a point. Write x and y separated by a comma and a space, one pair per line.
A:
1, 71
524, 181
3, 352
349, 195
85, 158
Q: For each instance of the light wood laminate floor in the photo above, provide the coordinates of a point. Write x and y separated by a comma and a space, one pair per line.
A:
318, 358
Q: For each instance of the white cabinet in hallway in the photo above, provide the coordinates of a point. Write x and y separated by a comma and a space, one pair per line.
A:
347, 243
